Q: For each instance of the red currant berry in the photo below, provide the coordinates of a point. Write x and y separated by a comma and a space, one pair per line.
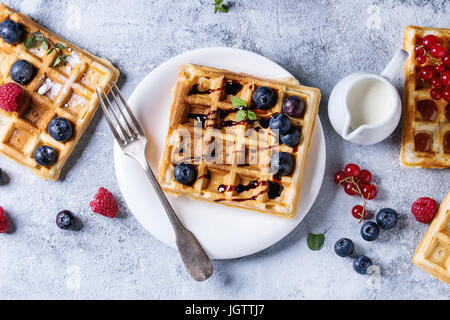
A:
446, 94
421, 59
366, 176
437, 51
436, 93
339, 176
446, 60
358, 212
350, 189
439, 67
436, 82
352, 170
445, 78
419, 51
429, 40
427, 73
369, 191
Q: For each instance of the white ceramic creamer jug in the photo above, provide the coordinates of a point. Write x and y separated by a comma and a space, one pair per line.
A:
365, 108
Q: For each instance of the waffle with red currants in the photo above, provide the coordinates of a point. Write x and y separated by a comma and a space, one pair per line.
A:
426, 123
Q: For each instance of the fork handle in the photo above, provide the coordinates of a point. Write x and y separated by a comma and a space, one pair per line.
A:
192, 253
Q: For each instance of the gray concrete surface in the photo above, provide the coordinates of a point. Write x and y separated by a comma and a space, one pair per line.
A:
319, 42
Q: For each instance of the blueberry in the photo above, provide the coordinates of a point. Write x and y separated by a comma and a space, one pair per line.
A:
387, 218
294, 107
361, 264
264, 97
11, 31
280, 122
22, 72
1, 174
282, 163
65, 220
344, 247
370, 231
291, 138
60, 129
45, 156
185, 174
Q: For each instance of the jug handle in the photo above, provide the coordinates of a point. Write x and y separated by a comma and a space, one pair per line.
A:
395, 65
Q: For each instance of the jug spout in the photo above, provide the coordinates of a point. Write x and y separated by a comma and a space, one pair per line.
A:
350, 133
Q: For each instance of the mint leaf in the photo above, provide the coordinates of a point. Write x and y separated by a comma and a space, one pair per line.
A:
218, 1
216, 9
45, 45
223, 8
238, 102
241, 115
50, 51
30, 42
251, 115
59, 46
315, 241
57, 62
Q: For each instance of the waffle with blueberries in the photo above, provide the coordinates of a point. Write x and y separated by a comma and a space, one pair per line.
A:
426, 123
238, 140
47, 93
433, 253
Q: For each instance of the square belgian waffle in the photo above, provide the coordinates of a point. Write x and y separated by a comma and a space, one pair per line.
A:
426, 122
233, 158
68, 91
433, 253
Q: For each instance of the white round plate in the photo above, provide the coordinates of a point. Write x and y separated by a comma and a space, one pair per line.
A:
224, 232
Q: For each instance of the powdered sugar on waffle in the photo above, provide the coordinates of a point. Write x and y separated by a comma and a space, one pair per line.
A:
73, 60
50, 88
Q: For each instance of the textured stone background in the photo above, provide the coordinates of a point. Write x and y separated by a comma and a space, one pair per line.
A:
317, 41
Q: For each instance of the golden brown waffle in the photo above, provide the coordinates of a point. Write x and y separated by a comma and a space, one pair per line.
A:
68, 91
423, 128
433, 253
227, 154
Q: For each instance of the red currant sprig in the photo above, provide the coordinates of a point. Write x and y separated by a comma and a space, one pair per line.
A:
357, 181
437, 72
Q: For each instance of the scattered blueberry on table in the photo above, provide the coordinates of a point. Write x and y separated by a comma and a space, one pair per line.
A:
361, 264
370, 231
387, 218
344, 247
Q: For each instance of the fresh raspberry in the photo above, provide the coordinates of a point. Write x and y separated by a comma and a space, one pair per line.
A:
104, 203
424, 209
11, 96
4, 223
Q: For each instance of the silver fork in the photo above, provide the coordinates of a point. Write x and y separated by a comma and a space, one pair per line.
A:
131, 139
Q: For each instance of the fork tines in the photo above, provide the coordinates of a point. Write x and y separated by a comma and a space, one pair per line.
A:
125, 127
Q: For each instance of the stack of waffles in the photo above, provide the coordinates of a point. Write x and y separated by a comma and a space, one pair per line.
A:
232, 157
67, 90
426, 123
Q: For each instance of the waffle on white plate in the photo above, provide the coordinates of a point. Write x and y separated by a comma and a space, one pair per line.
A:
67, 90
426, 122
232, 158
433, 253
